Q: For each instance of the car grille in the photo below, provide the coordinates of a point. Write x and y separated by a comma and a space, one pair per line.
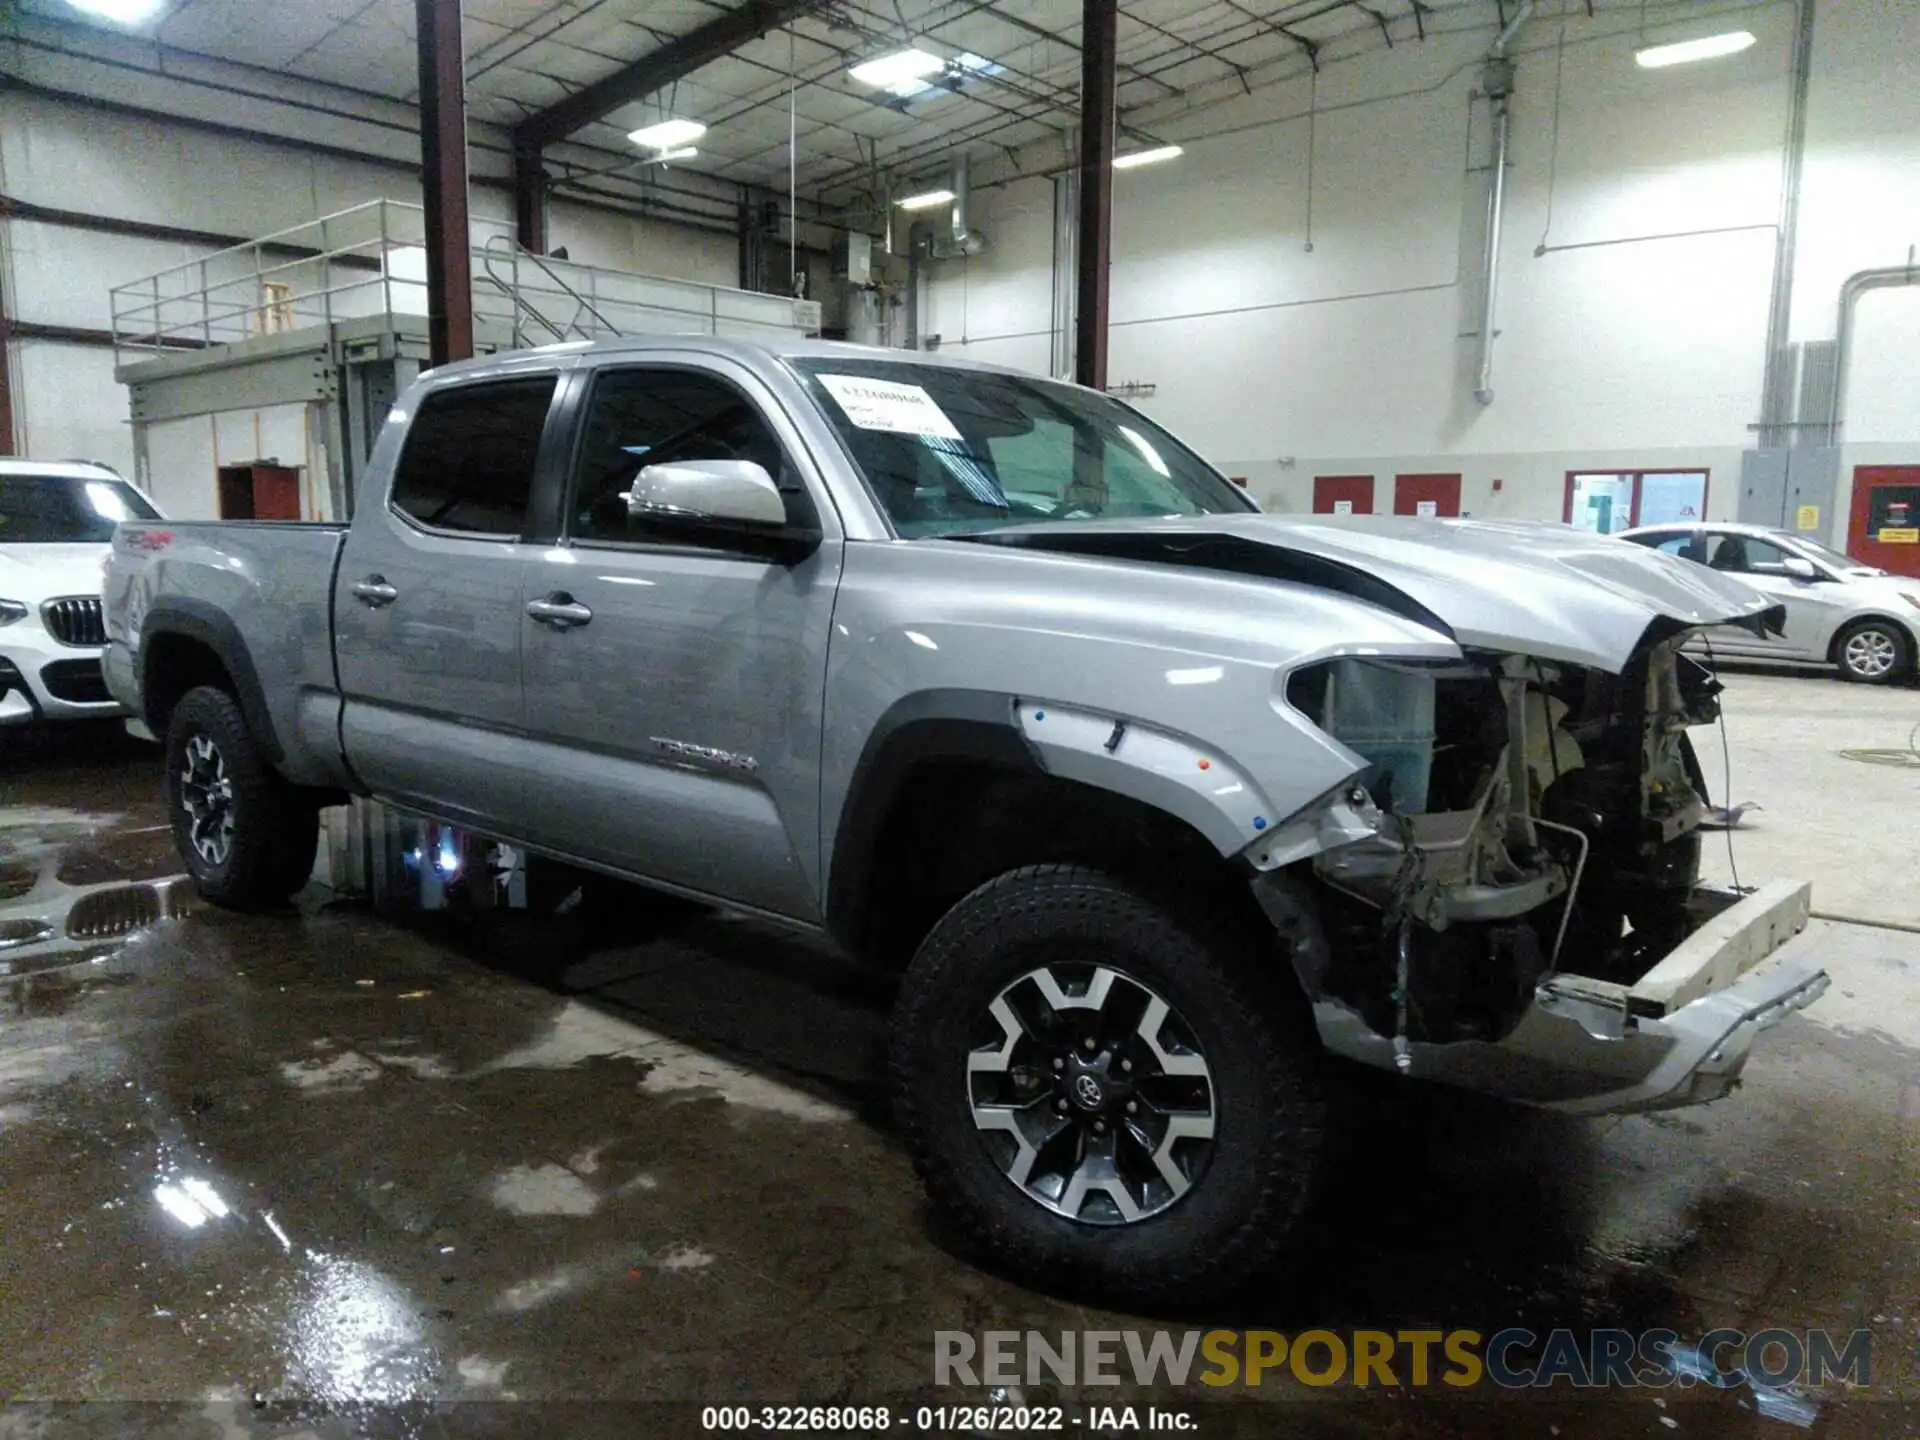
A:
75, 620
78, 682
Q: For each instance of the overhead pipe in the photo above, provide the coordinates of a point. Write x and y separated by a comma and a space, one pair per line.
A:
1776, 404
961, 176
1498, 81
1856, 285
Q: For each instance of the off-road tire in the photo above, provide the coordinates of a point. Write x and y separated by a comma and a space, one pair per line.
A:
275, 827
1231, 984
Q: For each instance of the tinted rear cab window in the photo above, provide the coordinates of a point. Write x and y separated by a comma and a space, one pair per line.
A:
469, 457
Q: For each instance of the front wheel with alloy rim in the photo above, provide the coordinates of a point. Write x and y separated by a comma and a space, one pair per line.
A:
1874, 652
1116, 1093
247, 836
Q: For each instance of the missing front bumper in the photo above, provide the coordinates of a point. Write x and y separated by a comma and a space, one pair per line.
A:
1680, 1036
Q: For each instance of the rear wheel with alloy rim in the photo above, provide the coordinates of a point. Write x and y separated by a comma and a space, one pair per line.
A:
1117, 1093
247, 836
206, 795
1874, 652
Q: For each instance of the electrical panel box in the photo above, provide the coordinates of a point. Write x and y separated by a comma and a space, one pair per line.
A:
859, 259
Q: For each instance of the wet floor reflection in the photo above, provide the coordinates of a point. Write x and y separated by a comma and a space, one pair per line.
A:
331, 1159
52, 915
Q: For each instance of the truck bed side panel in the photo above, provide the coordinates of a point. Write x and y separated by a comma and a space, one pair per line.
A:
259, 595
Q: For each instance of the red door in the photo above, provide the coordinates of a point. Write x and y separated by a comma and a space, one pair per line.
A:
1885, 530
1343, 494
1426, 494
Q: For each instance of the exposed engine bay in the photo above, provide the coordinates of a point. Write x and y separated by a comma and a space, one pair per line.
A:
1528, 818
1476, 838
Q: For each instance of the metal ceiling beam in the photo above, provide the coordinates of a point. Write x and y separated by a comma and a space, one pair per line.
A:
1310, 48
1040, 32
443, 180
675, 60
1100, 28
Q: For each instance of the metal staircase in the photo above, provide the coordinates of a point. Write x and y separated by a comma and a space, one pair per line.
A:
530, 282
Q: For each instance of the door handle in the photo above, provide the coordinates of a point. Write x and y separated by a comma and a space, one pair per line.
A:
375, 591
560, 610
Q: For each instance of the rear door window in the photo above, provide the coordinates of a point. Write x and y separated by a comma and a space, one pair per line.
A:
470, 454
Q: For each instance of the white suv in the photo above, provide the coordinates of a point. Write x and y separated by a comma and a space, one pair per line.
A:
56, 527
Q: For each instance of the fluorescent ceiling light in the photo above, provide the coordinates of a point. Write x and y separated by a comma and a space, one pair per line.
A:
667, 134
904, 72
127, 12
926, 200
1146, 157
1682, 52
685, 152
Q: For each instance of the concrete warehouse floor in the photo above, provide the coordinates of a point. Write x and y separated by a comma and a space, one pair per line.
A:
663, 1173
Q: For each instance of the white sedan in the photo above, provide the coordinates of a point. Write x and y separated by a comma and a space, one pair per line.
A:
1839, 612
56, 527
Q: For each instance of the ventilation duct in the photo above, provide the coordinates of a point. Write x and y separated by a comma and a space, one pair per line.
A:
960, 239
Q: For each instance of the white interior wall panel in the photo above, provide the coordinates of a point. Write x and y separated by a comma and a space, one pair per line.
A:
180, 473
68, 406
1000, 302
275, 433
1615, 347
1862, 191
1883, 384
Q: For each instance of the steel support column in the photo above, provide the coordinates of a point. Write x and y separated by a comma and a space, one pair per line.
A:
529, 199
443, 180
6, 383
1093, 247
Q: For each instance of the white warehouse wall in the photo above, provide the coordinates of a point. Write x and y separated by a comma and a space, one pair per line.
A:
62, 154
1615, 350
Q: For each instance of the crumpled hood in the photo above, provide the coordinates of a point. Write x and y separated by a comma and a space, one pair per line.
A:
1522, 587
34, 572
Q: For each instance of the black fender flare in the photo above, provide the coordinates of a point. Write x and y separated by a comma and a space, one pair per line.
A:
206, 624
929, 725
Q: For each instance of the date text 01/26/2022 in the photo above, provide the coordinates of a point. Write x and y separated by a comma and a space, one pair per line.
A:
940, 1419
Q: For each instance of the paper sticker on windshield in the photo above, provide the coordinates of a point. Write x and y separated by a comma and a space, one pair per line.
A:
889, 405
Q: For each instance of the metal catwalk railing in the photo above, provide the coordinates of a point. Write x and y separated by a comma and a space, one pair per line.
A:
371, 260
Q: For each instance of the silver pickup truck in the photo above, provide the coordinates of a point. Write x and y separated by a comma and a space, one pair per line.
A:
1155, 803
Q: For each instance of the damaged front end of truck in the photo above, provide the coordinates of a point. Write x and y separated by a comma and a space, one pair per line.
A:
1507, 896
1500, 886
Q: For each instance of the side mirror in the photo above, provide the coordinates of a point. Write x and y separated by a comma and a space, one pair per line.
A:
1800, 568
726, 492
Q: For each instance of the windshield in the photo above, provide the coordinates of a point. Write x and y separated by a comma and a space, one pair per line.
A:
66, 509
946, 451
1826, 554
